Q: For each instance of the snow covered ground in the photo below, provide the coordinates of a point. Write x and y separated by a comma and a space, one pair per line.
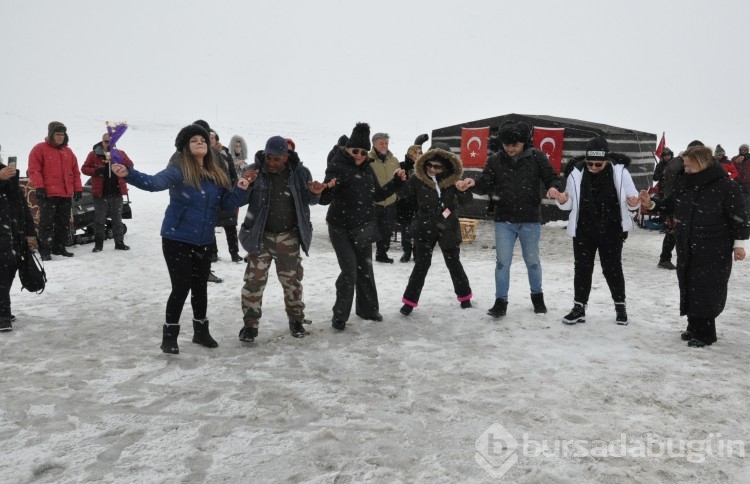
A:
445, 395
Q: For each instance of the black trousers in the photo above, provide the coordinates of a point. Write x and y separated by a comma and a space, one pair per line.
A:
54, 223
667, 246
386, 219
355, 263
610, 258
188, 267
423, 260
8, 267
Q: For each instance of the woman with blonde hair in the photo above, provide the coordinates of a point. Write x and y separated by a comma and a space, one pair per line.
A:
710, 232
198, 189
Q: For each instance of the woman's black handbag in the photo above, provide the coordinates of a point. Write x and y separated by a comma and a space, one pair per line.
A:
31, 271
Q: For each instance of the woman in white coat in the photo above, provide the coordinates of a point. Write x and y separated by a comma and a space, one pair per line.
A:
600, 195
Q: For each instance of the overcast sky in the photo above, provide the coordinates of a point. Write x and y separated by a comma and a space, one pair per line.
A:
405, 67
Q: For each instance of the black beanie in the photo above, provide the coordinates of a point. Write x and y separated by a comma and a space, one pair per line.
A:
183, 137
512, 133
597, 149
342, 140
695, 143
360, 137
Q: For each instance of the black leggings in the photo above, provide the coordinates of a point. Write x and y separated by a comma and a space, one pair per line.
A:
188, 267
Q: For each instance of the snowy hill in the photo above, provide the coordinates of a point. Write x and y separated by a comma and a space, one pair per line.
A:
445, 395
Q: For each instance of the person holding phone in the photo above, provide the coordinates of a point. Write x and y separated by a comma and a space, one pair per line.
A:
600, 194
15, 224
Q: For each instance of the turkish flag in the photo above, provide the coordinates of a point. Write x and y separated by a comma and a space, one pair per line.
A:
474, 147
660, 147
550, 142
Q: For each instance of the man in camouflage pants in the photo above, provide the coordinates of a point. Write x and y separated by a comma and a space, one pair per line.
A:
276, 226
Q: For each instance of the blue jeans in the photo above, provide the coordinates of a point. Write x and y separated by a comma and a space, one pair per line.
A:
505, 239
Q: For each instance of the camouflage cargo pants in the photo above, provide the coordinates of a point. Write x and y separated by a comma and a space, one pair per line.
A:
283, 249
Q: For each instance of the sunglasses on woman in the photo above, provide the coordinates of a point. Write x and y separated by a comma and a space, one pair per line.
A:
358, 151
434, 166
595, 164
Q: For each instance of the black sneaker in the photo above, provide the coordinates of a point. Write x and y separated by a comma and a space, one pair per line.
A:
248, 334
499, 309
622, 315
6, 325
237, 257
666, 264
214, 278
121, 246
406, 309
384, 258
576, 315
338, 324
298, 331
62, 252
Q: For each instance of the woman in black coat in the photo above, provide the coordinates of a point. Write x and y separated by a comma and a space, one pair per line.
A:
710, 230
435, 191
15, 224
351, 224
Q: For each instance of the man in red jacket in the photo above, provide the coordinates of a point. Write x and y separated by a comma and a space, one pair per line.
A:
108, 190
53, 171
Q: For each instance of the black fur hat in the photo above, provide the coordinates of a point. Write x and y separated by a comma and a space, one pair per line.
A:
183, 137
360, 137
512, 133
202, 123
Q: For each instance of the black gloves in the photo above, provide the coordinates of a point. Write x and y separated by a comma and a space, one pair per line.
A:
77, 196
41, 193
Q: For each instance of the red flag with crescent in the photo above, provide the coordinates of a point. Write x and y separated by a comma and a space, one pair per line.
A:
474, 147
660, 148
550, 142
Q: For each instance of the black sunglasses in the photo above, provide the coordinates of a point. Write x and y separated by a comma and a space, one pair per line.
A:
435, 166
359, 151
597, 164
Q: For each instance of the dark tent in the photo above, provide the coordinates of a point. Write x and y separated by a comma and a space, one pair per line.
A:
638, 145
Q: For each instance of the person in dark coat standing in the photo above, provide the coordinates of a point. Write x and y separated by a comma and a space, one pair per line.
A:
435, 190
512, 179
276, 227
404, 207
107, 190
352, 189
711, 227
15, 224
600, 196
227, 218
198, 189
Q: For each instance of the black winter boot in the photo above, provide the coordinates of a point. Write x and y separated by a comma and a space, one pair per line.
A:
236, 257
201, 334
499, 309
169, 339
297, 329
121, 246
538, 301
576, 315
406, 257
98, 245
248, 334
621, 317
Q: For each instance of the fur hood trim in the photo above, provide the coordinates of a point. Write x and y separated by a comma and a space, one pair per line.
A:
453, 171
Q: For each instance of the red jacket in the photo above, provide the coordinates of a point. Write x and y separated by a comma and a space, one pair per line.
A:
54, 168
95, 160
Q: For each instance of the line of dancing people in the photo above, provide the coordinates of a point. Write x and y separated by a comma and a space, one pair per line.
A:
278, 189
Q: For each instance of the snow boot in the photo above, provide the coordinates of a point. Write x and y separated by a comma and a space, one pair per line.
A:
296, 328
121, 246
248, 334
201, 334
336, 323
621, 317
236, 257
169, 339
466, 304
406, 309
406, 257
576, 315
6, 323
98, 245
499, 309
538, 301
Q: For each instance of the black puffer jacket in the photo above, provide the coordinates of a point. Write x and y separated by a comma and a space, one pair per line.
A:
710, 214
429, 221
351, 200
15, 218
513, 185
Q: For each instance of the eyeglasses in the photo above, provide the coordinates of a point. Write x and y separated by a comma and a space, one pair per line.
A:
358, 151
595, 164
434, 166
